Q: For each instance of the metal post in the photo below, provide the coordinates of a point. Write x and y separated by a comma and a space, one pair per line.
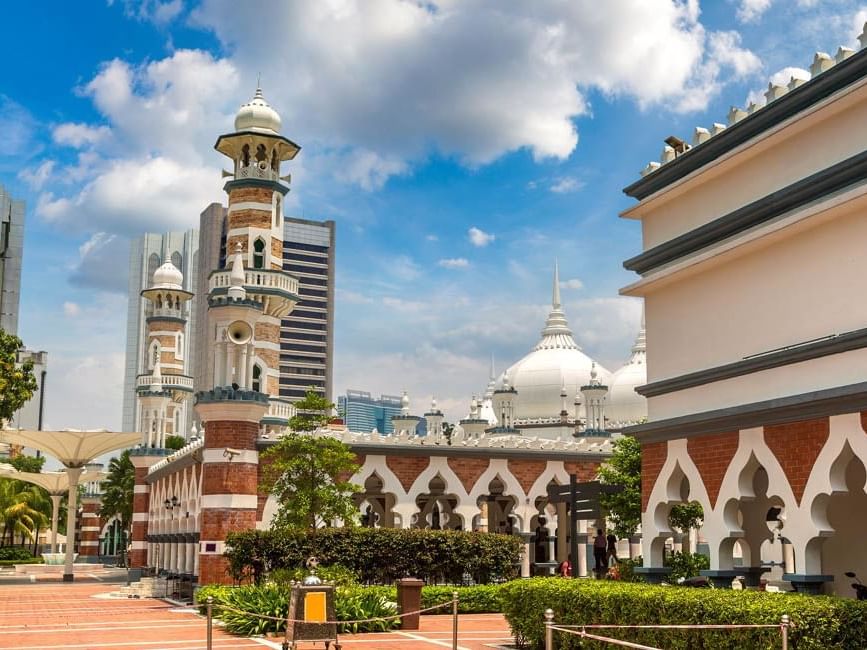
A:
573, 524
210, 602
549, 631
784, 630
454, 620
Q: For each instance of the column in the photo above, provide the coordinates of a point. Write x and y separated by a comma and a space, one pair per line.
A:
141, 553
562, 533
551, 544
242, 367
88, 547
251, 359
72, 506
219, 363
55, 515
229, 484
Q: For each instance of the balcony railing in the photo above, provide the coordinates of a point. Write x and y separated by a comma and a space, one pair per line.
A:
257, 279
279, 410
171, 382
256, 170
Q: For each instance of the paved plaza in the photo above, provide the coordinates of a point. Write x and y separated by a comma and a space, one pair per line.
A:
81, 616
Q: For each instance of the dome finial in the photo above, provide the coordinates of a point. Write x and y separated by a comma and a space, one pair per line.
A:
555, 301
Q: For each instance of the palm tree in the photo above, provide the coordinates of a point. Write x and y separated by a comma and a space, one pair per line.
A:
117, 494
20, 510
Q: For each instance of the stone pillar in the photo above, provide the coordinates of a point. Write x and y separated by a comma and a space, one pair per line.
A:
525, 556
562, 533
88, 546
55, 516
138, 555
229, 479
582, 556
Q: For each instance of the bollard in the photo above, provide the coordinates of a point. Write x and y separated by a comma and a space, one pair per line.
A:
409, 600
454, 620
784, 630
210, 621
549, 632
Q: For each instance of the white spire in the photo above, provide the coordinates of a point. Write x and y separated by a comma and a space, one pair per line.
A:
157, 376
555, 300
236, 276
640, 340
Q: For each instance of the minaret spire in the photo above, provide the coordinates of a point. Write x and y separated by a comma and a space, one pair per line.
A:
555, 301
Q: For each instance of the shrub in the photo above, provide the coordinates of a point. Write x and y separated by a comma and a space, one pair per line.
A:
381, 555
478, 599
685, 565
624, 570
29, 560
17, 553
819, 622
360, 603
336, 574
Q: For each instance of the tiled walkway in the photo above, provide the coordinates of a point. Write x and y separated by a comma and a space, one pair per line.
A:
62, 616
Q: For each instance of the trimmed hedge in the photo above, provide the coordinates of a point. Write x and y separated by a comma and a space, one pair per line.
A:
820, 622
27, 560
379, 555
18, 553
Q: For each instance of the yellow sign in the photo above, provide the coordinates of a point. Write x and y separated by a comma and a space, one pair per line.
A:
314, 607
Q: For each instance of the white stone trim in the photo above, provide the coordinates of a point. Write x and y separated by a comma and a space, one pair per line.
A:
140, 516
90, 529
247, 205
89, 543
266, 345
139, 546
216, 456
230, 501
221, 547
141, 488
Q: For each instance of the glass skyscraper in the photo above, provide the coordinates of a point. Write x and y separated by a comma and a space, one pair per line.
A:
361, 412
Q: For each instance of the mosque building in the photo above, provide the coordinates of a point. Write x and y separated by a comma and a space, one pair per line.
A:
540, 421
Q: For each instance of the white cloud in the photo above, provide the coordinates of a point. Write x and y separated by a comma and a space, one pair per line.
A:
159, 12
403, 267
431, 238
574, 283
479, 237
78, 135
37, 176
750, 11
454, 263
369, 170
18, 128
103, 261
566, 184
71, 309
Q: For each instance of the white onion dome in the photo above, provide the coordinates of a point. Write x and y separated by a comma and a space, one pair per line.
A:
555, 362
168, 277
257, 115
625, 406
404, 404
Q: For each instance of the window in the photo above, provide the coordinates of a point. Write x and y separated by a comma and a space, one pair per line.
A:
153, 355
177, 260
257, 378
278, 210
153, 265
259, 254
179, 346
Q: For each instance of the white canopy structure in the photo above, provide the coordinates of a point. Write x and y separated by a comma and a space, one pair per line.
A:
56, 484
74, 449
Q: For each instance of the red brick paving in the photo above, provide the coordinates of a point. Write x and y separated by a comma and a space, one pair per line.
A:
68, 616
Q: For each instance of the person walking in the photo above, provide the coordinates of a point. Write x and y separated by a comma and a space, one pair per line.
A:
600, 549
612, 550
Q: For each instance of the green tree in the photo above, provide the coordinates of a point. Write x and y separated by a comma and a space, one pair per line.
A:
307, 476
118, 489
311, 413
21, 509
175, 442
17, 382
685, 516
24, 463
623, 468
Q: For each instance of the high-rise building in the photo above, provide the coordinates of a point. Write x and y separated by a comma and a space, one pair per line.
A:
361, 412
306, 334
147, 254
11, 251
30, 415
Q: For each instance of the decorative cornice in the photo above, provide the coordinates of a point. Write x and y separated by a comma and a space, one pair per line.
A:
798, 194
255, 182
814, 349
793, 408
795, 101
170, 319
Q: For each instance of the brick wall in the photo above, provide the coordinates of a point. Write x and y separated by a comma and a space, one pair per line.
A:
584, 470
246, 218
653, 455
468, 470
712, 455
252, 194
526, 471
796, 446
407, 468
238, 435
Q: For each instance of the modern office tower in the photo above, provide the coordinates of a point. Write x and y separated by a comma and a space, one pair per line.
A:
11, 251
306, 334
147, 254
361, 412
30, 415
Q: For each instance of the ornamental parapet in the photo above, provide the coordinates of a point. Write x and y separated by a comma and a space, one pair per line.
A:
168, 382
149, 451
222, 300
187, 450
279, 412
229, 394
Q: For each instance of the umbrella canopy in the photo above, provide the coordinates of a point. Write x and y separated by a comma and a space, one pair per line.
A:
71, 447
52, 482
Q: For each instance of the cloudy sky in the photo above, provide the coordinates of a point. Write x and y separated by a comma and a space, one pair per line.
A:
460, 145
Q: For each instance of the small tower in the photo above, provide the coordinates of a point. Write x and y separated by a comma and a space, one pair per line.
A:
474, 426
405, 424
504, 402
434, 419
163, 387
594, 405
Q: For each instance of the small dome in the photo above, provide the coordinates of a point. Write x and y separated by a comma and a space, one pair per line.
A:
168, 277
625, 406
257, 115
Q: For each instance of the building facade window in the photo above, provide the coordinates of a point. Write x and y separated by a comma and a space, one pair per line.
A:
257, 378
259, 254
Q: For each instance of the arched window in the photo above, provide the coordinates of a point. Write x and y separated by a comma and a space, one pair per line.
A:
257, 378
179, 346
159, 301
177, 260
274, 162
278, 210
177, 430
261, 154
245, 155
153, 265
259, 254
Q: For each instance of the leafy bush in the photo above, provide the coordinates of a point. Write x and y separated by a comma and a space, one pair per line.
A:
17, 553
624, 570
360, 603
336, 574
29, 560
478, 599
685, 565
381, 555
819, 622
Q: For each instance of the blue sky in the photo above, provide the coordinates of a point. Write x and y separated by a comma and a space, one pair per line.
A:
460, 146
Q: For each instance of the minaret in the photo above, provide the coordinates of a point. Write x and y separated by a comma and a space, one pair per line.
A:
164, 386
474, 426
594, 405
434, 419
504, 402
245, 305
255, 230
405, 423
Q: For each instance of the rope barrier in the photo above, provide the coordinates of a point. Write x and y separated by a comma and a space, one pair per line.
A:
709, 626
361, 620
